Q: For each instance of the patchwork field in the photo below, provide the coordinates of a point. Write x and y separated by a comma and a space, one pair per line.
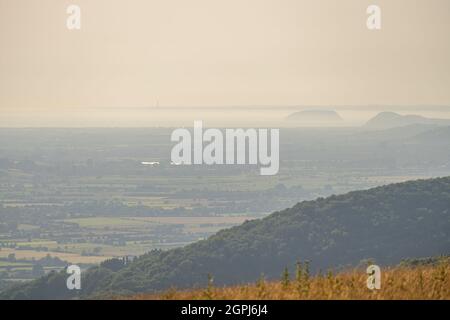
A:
94, 239
32, 254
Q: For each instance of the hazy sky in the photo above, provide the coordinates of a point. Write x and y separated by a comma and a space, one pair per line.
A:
222, 52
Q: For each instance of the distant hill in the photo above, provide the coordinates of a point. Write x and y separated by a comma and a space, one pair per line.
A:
386, 120
439, 135
315, 117
385, 224
394, 134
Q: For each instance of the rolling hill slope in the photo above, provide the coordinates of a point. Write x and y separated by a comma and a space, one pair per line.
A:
385, 224
385, 120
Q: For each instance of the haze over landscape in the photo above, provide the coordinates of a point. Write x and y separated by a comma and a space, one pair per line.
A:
87, 175
217, 53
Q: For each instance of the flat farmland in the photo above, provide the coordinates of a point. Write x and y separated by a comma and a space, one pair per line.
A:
69, 257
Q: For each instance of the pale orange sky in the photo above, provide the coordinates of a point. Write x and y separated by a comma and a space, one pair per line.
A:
222, 52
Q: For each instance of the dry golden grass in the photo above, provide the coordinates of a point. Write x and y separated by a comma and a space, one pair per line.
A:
398, 283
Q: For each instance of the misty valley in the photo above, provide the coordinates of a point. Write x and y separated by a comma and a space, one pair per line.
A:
83, 196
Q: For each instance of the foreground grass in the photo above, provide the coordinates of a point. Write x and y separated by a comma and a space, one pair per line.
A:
402, 282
